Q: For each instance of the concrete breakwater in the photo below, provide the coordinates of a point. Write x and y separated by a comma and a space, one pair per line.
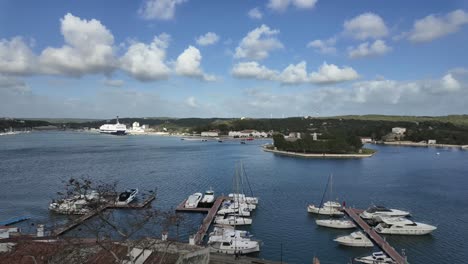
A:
317, 155
420, 144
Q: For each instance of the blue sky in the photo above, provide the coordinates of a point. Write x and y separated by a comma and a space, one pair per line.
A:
189, 58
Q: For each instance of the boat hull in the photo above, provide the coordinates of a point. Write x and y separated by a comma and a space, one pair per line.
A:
334, 224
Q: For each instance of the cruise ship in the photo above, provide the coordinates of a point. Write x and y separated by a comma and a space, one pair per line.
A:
114, 129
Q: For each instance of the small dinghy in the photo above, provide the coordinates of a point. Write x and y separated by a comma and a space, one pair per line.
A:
127, 197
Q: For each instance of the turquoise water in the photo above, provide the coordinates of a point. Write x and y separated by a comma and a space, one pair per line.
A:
432, 187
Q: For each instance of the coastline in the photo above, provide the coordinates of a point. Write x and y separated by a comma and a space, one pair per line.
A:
417, 144
314, 155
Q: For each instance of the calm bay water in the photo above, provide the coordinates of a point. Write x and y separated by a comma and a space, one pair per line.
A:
432, 187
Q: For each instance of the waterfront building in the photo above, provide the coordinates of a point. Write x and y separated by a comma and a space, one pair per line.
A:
247, 133
398, 130
211, 133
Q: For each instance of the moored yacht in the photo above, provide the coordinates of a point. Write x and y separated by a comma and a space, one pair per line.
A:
336, 223
376, 258
374, 211
193, 200
355, 239
127, 196
221, 233
328, 208
113, 129
402, 226
208, 197
235, 246
241, 211
241, 198
234, 220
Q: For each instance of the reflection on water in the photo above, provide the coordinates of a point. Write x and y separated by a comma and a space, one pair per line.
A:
432, 187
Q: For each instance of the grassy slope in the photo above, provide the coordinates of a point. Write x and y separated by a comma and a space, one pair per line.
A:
460, 120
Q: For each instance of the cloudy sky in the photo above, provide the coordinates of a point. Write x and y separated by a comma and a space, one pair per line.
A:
193, 58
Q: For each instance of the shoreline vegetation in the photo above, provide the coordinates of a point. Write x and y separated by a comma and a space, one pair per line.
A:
367, 153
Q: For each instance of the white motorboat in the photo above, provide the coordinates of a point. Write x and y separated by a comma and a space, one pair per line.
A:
193, 200
113, 129
336, 223
127, 196
221, 233
208, 197
374, 211
402, 226
70, 206
328, 208
233, 220
355, 239
78, 204
376, 258
235, 246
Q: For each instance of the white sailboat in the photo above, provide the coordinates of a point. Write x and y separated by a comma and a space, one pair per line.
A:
330, 208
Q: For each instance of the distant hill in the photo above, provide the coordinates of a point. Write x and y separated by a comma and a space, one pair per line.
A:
461, 120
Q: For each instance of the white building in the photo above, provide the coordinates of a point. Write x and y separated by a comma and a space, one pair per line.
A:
398, 130
431, 141
365, 140
136, 128
209, 133
247, 133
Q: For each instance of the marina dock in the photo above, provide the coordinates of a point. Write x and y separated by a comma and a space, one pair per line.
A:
207, 220
76, 222
384, 245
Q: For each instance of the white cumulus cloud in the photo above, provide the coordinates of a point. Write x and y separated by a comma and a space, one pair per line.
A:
295, 73
88, 49
367, 49
192, 102
282, 5
258, 44
146, 62
209, 38
435, 26
253, 70
16, 57
255, 13
330, 73
365, 26
188, 64
159, 9
323, 46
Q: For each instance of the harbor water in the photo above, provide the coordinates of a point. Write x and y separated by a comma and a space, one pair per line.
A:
430, 183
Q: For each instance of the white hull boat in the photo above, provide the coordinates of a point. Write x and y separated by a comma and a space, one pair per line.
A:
336, 223
240, 211
355, 239
403, 226
376, 258
113, 129
325, 210
235, 205
241, 198
208, 197
127, 197
193, 200
233, 220
221, 233
235, 246
375, 211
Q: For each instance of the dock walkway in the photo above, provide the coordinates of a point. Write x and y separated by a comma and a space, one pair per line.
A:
76, 222
207, 220
384, 245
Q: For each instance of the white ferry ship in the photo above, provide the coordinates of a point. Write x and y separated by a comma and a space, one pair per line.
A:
114, 129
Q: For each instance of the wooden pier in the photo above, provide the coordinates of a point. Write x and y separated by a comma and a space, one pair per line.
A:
207, 220
112, 205
384, 245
